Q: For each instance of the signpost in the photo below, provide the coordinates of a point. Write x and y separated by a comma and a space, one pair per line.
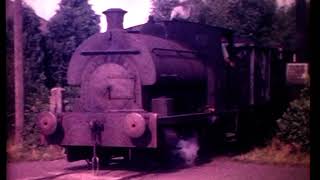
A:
297, 73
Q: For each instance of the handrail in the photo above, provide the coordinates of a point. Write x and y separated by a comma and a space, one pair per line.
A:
110, 52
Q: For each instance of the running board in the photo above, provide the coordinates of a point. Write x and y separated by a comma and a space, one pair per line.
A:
184, 118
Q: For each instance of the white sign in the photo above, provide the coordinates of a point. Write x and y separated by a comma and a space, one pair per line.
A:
297, 73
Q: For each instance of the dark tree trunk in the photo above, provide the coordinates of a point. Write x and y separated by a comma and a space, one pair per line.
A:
302, 24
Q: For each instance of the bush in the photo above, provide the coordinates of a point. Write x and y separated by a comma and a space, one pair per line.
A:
36, 101
22, 152
276, 152
294, 123
70, 96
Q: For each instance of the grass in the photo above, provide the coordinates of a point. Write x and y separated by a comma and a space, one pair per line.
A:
22, 153
277, 152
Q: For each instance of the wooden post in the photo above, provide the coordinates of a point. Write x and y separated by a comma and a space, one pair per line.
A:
268, 75
252, 75
18, 71
56, 106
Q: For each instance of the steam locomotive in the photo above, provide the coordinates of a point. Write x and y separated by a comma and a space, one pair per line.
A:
147, 86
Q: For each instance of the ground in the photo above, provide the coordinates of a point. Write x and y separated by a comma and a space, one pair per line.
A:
222, 167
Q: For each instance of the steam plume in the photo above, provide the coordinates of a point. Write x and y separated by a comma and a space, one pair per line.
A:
188, 150
183, 10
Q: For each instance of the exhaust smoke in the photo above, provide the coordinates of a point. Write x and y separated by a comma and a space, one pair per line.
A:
183, 10
183, 148
188, 150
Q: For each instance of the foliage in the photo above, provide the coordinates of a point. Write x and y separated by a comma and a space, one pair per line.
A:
70, 95
258, 20
35, 93
20, 152
283, 28
218, 13
294, 123
276, 152
36, 101
253, 19
161, 9
73, 22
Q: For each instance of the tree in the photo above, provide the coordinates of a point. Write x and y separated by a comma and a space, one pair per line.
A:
74, 22
217, 13
249, 18
36, 94
161, 9
284, 28
294, 125
253, 19
33, 80
302, 28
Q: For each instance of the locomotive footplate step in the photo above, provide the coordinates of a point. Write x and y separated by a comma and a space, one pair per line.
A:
95, 161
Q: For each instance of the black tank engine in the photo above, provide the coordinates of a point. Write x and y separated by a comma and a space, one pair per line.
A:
137, 83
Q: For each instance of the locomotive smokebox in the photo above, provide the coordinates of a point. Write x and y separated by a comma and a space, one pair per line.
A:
115, 18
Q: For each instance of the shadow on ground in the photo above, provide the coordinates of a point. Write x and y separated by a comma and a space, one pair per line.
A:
129, 169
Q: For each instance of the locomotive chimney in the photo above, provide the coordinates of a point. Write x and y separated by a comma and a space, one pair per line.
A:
114, 18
